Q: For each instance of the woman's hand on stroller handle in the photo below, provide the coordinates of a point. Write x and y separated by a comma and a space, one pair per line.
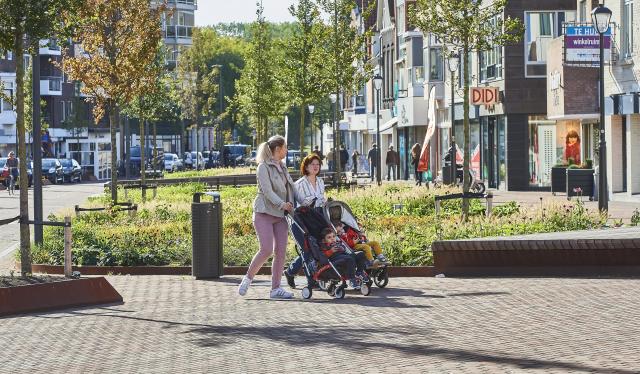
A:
287, 207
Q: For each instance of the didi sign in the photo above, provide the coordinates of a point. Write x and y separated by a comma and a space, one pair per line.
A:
483, 95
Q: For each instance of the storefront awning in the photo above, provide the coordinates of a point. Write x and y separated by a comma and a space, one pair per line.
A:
387, 128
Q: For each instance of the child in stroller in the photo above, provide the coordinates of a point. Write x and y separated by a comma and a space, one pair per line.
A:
340, 215
325, 259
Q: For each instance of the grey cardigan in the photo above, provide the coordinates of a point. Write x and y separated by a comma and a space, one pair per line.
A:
275, 188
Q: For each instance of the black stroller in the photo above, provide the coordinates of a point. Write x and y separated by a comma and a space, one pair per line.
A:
305, 225
335, 210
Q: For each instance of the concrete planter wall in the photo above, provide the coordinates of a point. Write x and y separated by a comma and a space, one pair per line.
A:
580, 178
559, 179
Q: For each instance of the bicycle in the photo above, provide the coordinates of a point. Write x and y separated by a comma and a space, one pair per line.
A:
477, 185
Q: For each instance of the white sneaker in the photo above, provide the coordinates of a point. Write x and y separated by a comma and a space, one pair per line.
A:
244, 285
280, 293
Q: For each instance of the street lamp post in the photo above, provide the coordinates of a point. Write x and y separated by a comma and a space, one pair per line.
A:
312, 108
454, 60
600, 17
334, 97
377, 82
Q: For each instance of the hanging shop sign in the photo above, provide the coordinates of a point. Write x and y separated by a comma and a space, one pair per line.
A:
582, 45
484, 95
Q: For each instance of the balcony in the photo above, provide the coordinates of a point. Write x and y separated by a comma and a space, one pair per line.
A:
183, 4
179, 32
49, 47
51, 86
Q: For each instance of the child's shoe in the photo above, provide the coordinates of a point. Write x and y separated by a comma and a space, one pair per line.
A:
354, 284
369, 264
382, 259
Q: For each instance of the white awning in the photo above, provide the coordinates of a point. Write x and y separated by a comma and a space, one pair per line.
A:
388, 126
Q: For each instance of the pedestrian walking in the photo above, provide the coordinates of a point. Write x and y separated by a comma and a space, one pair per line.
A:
392, 162
415, 160
373, 158
344, 159
275, 197
355, 156
330, 159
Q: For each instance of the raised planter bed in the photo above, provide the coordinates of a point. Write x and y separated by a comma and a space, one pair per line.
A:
580, 178
394, 271
570, 257
558, 179
57, 295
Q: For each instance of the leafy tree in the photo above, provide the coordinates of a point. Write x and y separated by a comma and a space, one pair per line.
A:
303, 71
153, 105
259, 91
469, 26
345, 52
22, 24
118, 42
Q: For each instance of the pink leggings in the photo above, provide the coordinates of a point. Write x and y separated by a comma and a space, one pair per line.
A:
273, 235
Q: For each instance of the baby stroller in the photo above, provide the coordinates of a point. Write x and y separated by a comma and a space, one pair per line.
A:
305, 226
339, 211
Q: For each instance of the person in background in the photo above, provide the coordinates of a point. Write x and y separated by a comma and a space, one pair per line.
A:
415, 160
354, 160
392, 161
373, 158
344, 159
330, 160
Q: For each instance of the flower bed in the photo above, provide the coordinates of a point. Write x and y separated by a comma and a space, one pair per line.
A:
160, 234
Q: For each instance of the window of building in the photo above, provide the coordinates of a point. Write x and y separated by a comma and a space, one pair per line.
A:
491, 61
627, 29
6, 55
436, 64
8, 92
540, 29
583, 10
400, 18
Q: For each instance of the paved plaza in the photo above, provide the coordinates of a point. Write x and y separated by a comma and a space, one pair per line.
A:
436, 325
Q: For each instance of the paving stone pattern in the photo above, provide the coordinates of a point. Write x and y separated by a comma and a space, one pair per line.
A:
172, 324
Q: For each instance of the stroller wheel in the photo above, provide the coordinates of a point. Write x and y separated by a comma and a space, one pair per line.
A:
339, 294
331, 289
306, 293
365, 289
381, 278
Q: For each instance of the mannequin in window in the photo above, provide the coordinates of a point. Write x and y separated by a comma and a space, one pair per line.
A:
572, 148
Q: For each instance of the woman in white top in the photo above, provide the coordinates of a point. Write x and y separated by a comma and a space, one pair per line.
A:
308, 188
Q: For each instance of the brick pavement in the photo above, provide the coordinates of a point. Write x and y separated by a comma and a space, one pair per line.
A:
175, 324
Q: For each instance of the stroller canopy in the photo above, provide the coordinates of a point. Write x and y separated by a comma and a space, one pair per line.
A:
339, 211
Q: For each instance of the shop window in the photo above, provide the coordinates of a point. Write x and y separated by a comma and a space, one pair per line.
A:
540, 29
552, 143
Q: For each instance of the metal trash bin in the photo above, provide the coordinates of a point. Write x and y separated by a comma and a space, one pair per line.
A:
206, 235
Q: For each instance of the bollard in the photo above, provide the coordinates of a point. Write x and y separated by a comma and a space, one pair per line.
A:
67, 247
77, 209
489, 203
437, 206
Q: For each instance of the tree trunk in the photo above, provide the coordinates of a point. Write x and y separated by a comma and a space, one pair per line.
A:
25, 236
143, 153
467, 145
302, 115
155, 152
113, 125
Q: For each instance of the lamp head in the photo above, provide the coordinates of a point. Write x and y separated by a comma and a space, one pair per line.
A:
454, 61
333, 97
600, 17
377, 82
312, 108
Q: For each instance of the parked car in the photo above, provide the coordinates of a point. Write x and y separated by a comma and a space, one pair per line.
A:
190, 160
294, 157
135, 158
237, 154
172, 162
71, 170
52, 170
211, 159
251, 161
4, 173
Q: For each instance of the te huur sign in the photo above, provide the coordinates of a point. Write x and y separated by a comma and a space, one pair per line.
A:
484, 95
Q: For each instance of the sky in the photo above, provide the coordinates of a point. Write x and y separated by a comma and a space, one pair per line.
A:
214, 11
